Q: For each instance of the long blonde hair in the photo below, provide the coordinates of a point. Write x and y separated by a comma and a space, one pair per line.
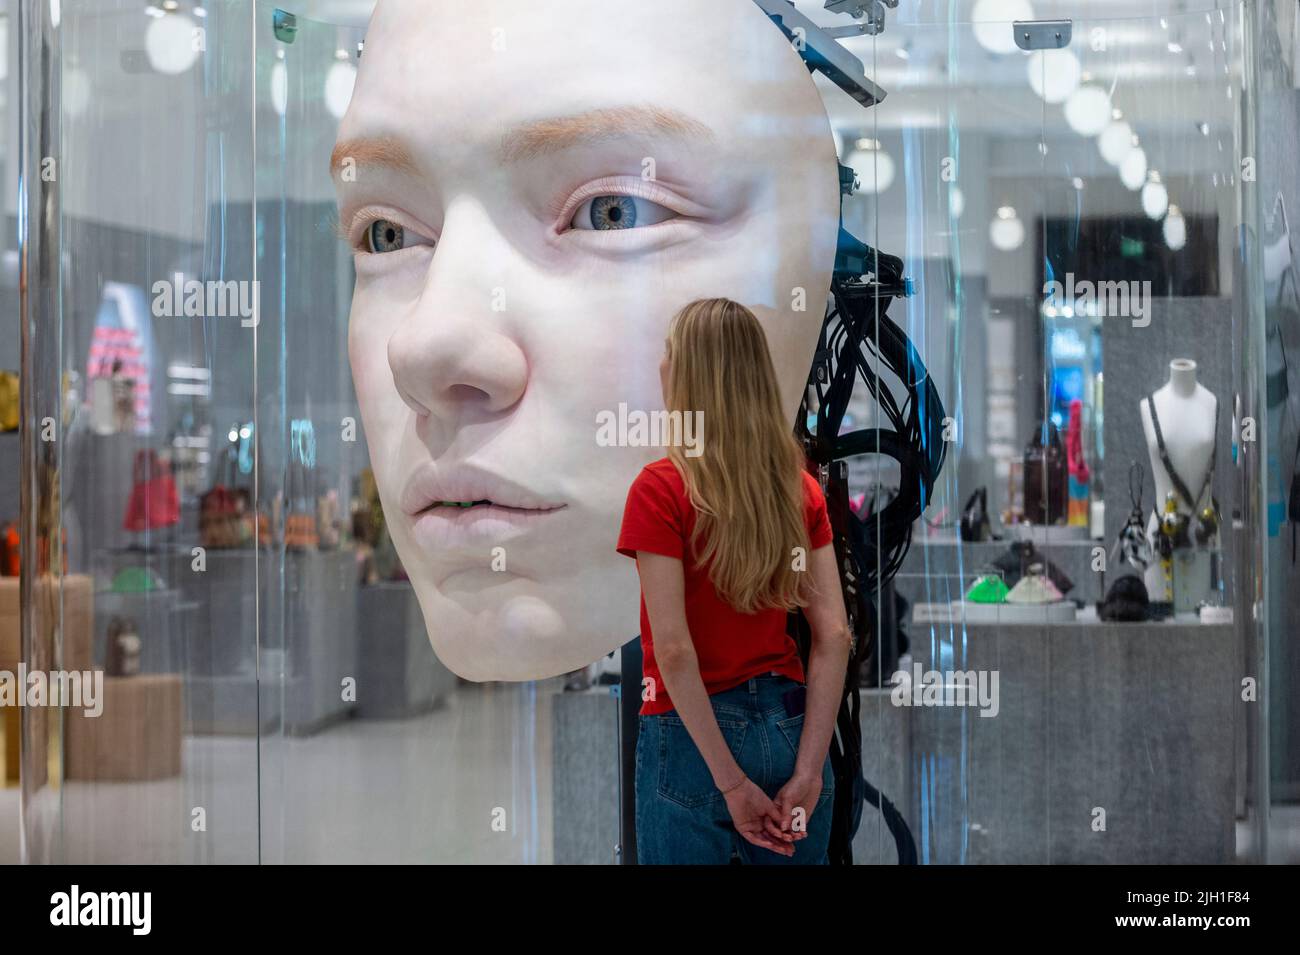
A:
746, 483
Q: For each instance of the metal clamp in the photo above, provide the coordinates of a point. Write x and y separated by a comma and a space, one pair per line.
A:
1043, 34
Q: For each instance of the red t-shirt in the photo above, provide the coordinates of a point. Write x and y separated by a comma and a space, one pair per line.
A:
731, 646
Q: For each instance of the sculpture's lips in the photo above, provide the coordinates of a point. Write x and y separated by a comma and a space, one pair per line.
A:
462, 488
462, 504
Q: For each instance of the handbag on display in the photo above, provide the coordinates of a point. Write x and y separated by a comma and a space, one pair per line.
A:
10, 563
1021, 557
225, 511
137, 580
988, 589
1132, 545
301, 505
300, 532
1127, 600
224, 518
1046, 484
1034, 588
123, 653
975, 523
327, 520
270, 521
154, 502
8, 401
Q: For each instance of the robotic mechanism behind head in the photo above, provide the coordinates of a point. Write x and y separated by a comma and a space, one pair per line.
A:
858, 339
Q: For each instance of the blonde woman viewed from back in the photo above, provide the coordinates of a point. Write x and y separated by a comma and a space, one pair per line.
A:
732, 754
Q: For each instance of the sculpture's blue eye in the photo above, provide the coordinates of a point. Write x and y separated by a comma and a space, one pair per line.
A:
385, 235
613, 212
603, 213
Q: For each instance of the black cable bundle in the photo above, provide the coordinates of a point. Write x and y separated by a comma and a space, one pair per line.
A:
858, 340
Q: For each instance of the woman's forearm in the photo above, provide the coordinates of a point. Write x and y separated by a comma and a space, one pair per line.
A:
828, 661
682, 680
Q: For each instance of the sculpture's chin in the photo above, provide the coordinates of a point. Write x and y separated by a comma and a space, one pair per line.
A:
523, 630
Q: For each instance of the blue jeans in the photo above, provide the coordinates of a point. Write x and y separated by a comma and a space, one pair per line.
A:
681, 816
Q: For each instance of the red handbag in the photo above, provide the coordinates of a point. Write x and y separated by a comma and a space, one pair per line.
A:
154, 502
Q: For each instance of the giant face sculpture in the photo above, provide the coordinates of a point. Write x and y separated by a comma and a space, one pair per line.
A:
533, 193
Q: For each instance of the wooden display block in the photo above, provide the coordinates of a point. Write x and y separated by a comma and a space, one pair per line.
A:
138, 735
15, 766
74, 597
10, 719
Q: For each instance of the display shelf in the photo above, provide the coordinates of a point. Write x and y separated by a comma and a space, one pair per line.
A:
398, 674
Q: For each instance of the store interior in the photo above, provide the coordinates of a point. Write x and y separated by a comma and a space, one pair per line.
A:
1083, 227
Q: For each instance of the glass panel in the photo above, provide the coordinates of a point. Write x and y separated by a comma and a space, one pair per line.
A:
1049, 257
143, 354
1095, 220
372, 750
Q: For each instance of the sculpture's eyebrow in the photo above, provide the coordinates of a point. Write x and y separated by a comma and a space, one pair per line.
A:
544, 136
537, 138
385, 151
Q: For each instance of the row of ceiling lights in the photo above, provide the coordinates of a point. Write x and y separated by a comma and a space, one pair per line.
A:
1058, 78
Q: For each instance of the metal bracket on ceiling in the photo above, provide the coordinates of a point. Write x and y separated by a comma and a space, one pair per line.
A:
821, 53
870, 12
285, 25
1043, 34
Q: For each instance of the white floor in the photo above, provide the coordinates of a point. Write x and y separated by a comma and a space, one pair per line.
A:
469, 782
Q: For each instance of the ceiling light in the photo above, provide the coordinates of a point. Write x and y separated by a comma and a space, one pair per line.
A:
280, 87
873, 166
339, 82
991, 20
169, 43
1054, 74
1006, 231
1175, 229
956, 201
1115, 142
1155, 197
1133, 169
1088, 110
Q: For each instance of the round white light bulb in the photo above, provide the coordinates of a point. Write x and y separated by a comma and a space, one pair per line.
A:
1133, 169
1155, 199
956, 201
1115, 141
1054, 74
991, 20
171, 43
280, 87
1088, 110
1175, 229
339, 81
874, 169
1006, 231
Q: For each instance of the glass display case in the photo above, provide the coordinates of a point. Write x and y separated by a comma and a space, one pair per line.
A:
1084, 655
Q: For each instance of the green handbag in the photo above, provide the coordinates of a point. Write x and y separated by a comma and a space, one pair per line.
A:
988, 589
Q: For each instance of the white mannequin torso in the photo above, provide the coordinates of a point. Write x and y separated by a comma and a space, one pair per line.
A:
1186, 410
